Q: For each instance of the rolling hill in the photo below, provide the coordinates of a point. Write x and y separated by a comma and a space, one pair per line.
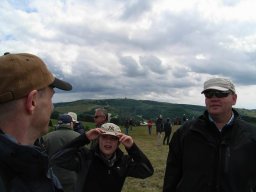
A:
139, 110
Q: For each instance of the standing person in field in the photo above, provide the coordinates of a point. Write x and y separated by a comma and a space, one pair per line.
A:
105, 167
159, 129
184, 118
53, 141
149, 124
215, 152
77, 126
100, 117
131, 124
126, 126
26, 92
167, 131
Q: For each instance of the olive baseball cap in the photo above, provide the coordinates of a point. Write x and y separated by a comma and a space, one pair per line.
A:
24, 72
220, 84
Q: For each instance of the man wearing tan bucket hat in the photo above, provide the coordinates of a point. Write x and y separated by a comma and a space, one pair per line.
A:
26, 91
215, 152
105, 167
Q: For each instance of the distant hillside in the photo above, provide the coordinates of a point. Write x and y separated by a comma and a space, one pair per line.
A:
138, 109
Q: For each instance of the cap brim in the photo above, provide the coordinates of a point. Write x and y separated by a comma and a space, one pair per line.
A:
63, 85
109, 133
215, 88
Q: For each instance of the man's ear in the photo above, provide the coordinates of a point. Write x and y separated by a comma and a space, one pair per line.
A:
234, 98
31, 101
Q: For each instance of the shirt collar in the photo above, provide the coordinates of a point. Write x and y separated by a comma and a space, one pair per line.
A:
9, 137
230, 121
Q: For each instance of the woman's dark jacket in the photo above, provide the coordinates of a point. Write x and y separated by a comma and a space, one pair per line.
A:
203, 159
23, 168
103, 177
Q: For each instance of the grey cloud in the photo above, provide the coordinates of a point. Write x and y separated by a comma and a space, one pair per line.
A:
237, 66
153, 63
169, 29
135, 8
131, 67
179, 72
141, 56
230, 2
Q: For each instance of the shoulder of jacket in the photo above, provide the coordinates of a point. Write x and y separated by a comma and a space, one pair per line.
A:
246, 128
188, 125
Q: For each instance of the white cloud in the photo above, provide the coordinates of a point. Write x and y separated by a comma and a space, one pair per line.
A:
160, 50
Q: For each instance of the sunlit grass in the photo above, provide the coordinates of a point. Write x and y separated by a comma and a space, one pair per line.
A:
157, 154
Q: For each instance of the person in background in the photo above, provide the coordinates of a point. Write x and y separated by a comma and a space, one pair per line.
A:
167, 131
215, 152
26, 92
100, 117
77, 126
53, 141
184, 118
131, 124
159, 129
126, 126
105, 167
149, 124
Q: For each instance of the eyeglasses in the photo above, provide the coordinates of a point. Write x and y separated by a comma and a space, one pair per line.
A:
218, 94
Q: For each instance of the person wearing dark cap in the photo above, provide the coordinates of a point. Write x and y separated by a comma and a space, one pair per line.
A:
215, 152
78, 126
53, 141
26, 91
105, 167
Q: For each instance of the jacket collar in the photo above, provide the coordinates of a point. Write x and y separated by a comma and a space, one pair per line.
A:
22, 159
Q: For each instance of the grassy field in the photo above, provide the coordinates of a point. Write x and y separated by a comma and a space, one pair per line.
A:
157, 154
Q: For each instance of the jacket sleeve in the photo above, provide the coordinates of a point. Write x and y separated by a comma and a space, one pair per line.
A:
173, 171
2, 185
139, 166
69, 156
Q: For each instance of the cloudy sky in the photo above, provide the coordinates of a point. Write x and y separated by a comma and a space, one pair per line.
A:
160, 50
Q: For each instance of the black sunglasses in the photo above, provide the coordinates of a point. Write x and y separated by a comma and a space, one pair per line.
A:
218, 94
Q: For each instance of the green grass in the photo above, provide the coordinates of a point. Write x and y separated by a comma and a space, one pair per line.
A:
157, 154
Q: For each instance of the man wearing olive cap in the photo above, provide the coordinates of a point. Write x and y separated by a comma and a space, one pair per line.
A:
26, 92
215, 152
